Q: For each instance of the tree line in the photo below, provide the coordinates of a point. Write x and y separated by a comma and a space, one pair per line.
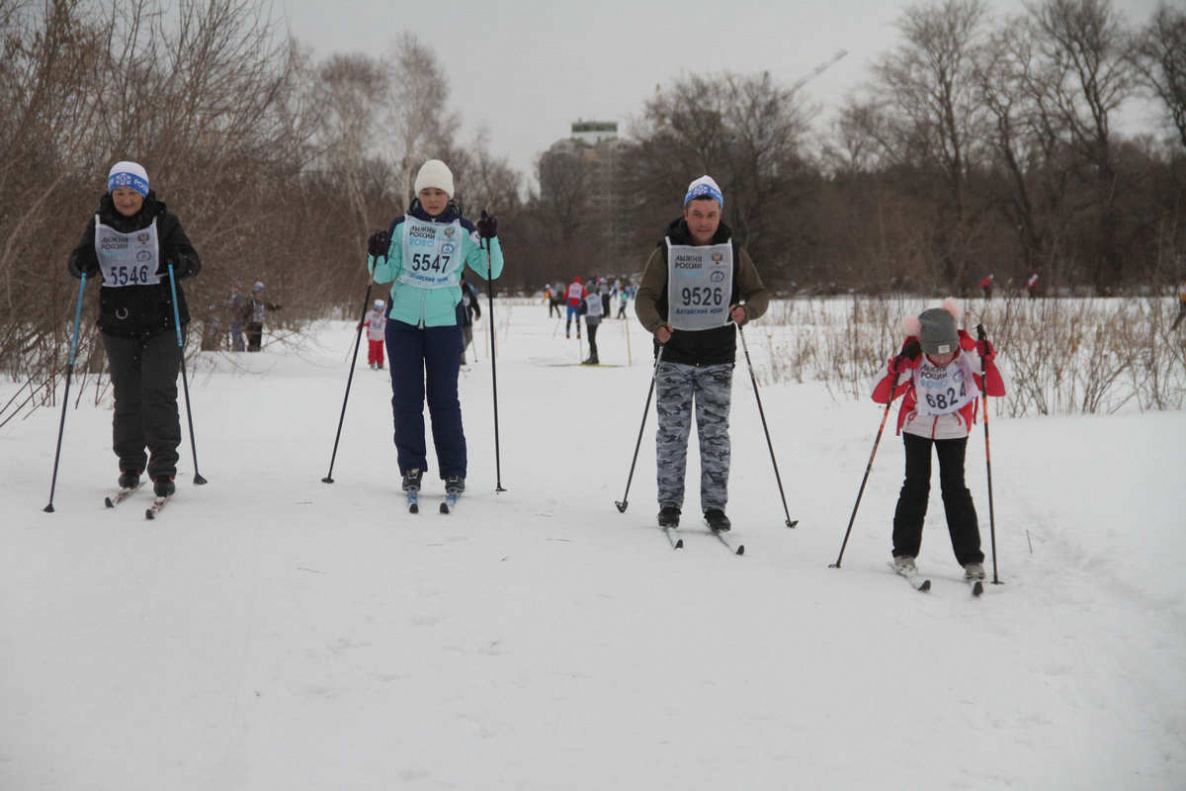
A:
976, 146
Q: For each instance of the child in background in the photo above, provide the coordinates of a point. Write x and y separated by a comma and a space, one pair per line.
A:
376, 324
939, 373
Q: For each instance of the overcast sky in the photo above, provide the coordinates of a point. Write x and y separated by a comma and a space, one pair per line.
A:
526, 70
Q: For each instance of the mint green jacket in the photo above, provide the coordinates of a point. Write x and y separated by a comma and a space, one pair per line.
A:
437, 307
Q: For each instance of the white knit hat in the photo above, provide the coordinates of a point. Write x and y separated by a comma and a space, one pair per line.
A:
128, 174
704, 187
435, 173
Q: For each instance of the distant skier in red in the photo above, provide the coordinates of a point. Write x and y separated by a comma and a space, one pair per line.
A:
576, 295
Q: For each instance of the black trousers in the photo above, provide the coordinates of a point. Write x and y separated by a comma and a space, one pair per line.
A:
957, 500
592, 340
255, 335
144, 377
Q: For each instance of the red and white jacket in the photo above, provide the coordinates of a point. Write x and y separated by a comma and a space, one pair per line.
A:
576, 293
940, 419
376, 324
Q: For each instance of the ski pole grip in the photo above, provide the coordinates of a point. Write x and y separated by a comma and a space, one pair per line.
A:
980, 333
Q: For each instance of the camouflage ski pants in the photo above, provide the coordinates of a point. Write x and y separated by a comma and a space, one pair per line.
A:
709, 389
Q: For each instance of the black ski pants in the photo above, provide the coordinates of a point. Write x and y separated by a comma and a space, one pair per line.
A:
146, 427
957, 500
255, 335
592, 339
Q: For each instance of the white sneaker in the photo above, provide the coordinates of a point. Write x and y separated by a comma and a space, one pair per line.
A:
904, 563
974, 571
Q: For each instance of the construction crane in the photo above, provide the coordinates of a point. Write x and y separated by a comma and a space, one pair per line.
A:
817, 71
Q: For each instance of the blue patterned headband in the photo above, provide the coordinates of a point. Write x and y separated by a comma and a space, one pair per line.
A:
128, 174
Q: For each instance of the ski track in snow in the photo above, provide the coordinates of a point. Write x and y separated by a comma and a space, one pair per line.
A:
269, 631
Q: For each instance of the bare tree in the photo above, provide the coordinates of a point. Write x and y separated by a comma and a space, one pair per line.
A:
747, 132
1159, 56
930, 92
418, 115
352, 90
1088, 75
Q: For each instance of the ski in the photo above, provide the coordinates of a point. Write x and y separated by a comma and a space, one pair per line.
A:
916, 580
120, 496
977, 587
736, 549
450, 502
673, 538
413, 501
158, 505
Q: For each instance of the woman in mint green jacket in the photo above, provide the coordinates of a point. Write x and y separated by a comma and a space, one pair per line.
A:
423, 257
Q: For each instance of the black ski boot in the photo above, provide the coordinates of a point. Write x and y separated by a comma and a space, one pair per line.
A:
454, 484
129, 479
669, 516
717, 521
163, 486
412, 480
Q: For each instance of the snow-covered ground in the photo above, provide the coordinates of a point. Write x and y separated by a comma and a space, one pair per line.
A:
270, 631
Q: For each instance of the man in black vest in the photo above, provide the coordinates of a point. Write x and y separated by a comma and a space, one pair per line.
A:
697, 287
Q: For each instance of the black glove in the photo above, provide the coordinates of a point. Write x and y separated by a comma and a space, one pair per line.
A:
912, 350
378, 244
488, 225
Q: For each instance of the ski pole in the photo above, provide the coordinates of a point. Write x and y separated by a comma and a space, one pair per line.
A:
626, 326
493, 367
193, 445
366, 302
790, 522
884, 415
654, 375
992, 524
49, 509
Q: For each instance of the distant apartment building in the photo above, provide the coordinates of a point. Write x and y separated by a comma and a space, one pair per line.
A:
583, 174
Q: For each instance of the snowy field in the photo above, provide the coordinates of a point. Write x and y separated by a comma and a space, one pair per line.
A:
271, 632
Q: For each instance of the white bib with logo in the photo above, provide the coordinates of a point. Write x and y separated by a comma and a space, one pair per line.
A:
127, 259
432, 253
699, 285
944, 390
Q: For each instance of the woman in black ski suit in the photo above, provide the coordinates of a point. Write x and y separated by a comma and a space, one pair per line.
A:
130, 244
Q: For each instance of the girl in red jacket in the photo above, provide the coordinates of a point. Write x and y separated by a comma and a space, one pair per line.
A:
939, 374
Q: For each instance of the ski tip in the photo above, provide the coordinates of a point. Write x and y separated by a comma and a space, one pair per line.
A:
444, 508
977, 588
679, 543
740, 550
413, 508
148, 514
925, 586
107, 502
